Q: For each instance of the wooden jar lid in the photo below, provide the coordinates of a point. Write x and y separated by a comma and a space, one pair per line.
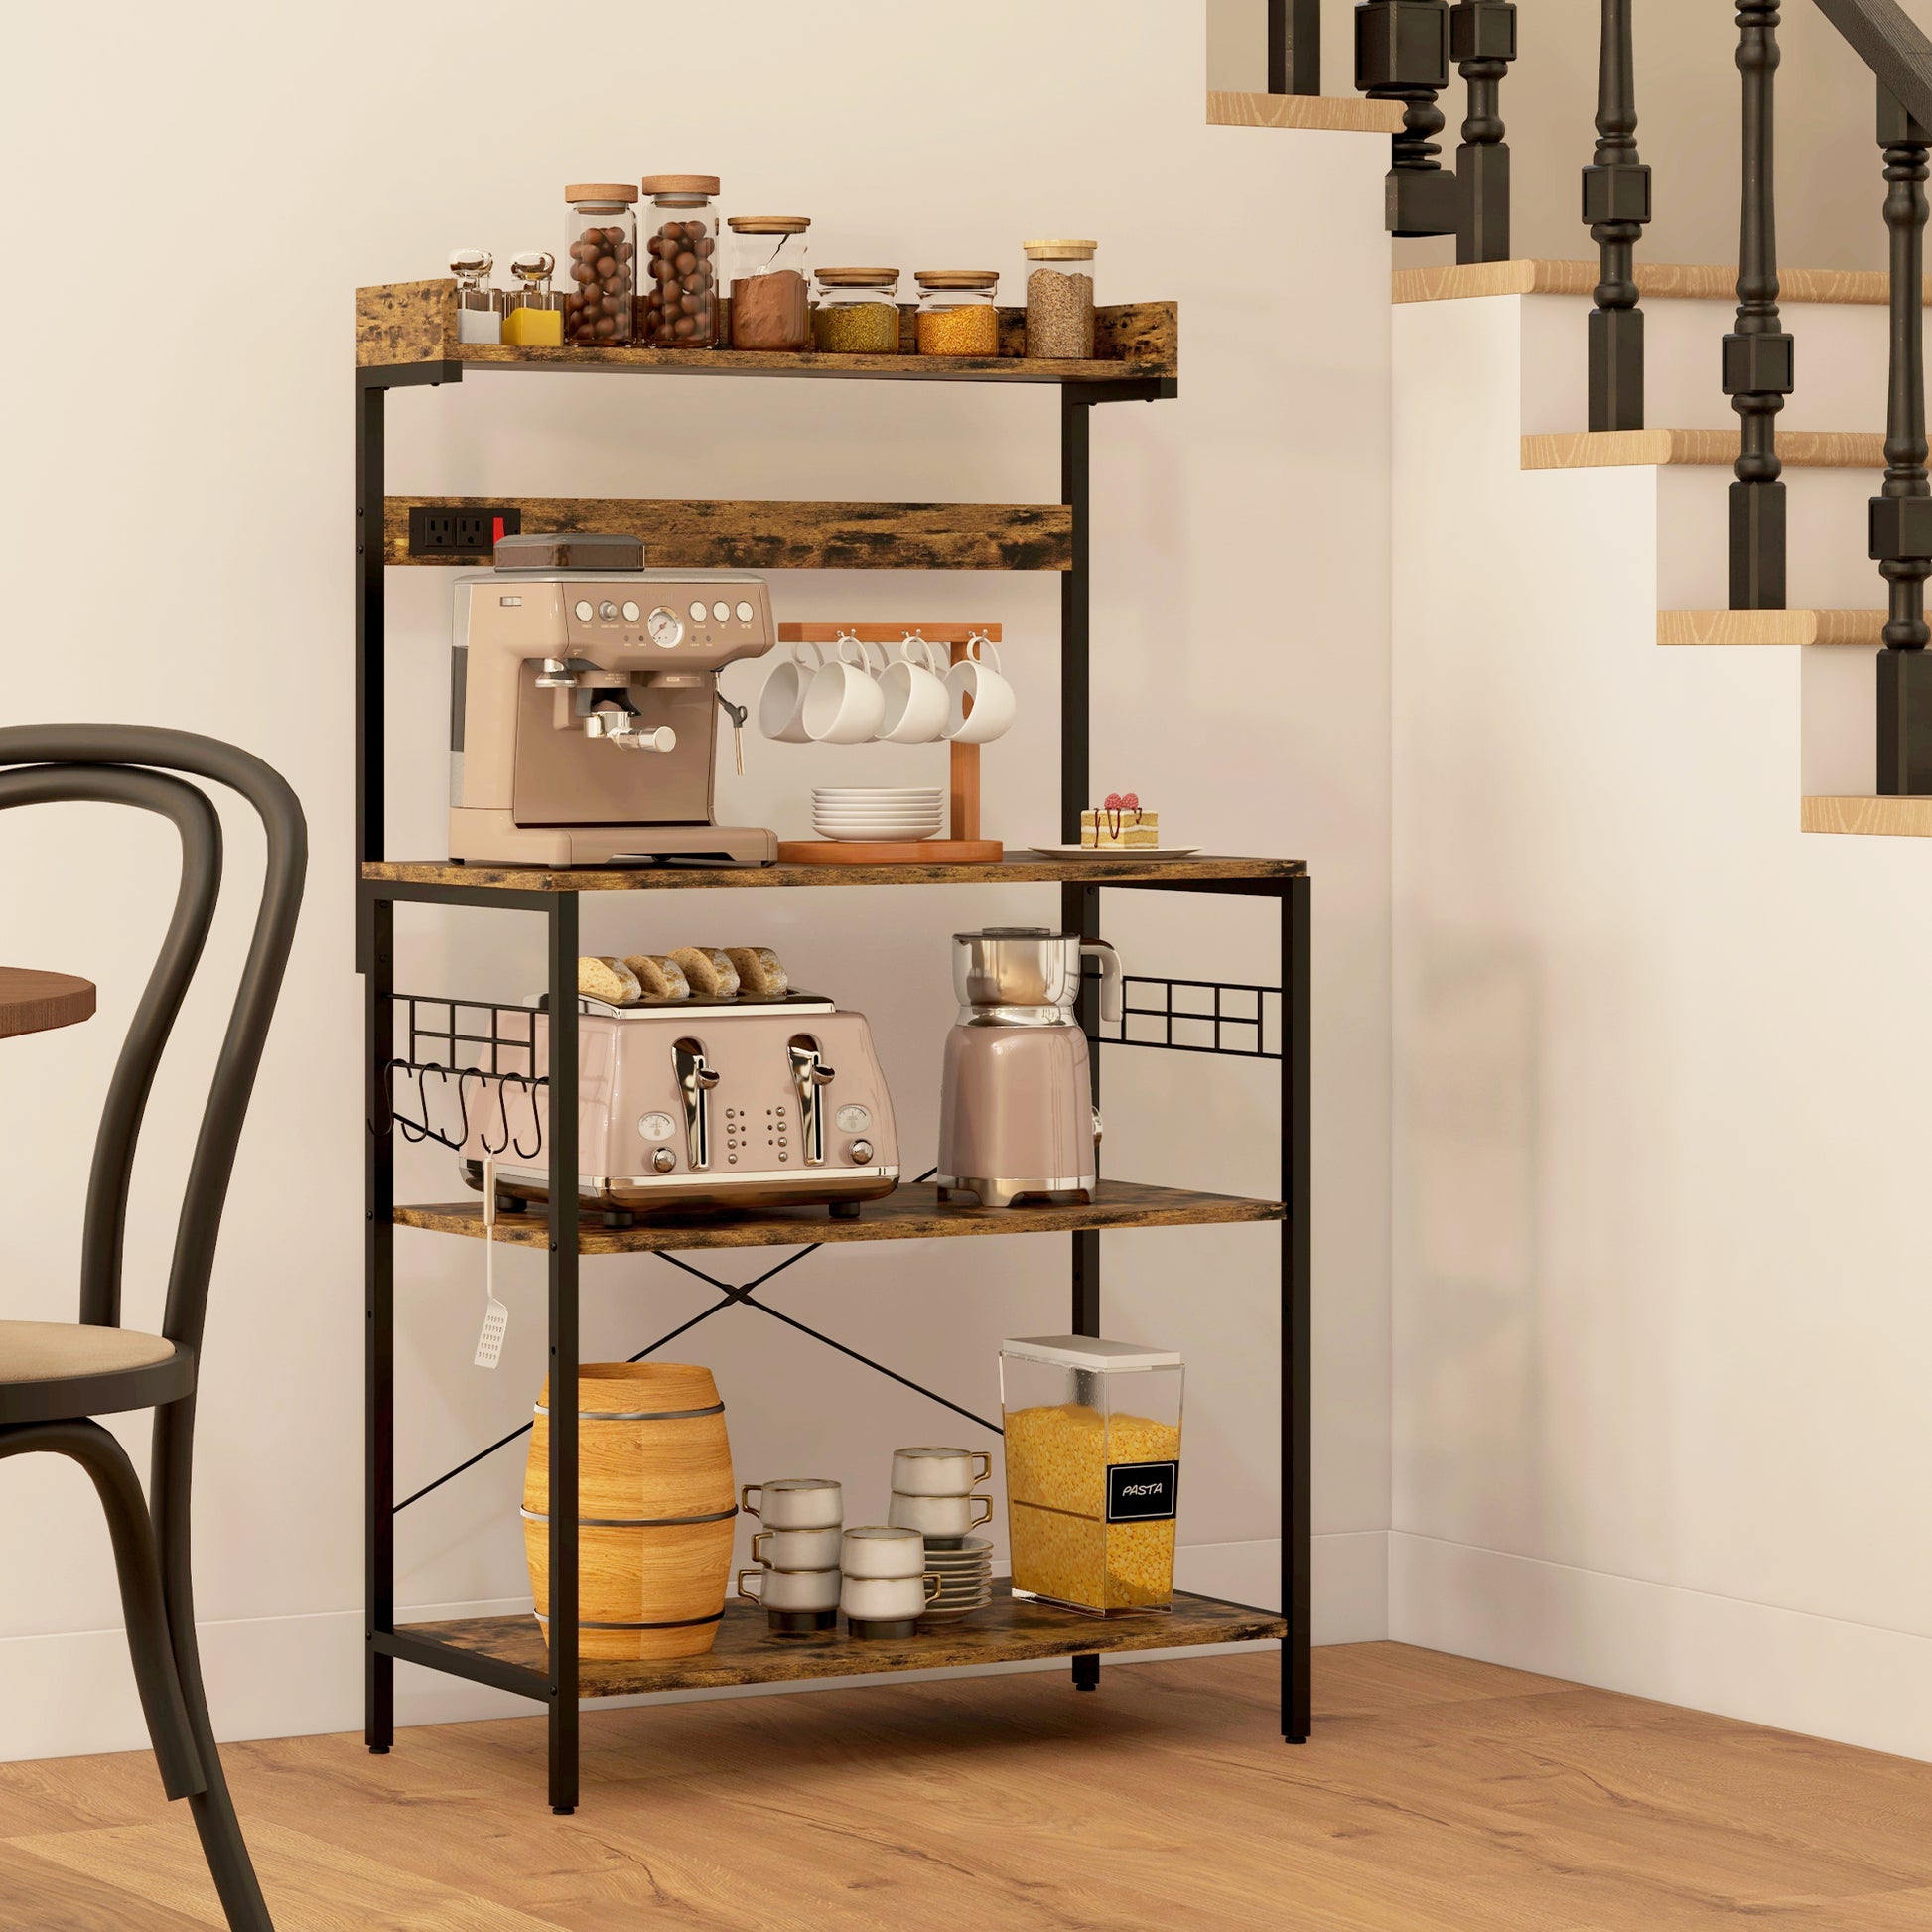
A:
769, 224
680, 184
858, 278
956, 278
1060, 251
600, 190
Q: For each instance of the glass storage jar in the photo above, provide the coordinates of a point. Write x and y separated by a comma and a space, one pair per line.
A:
479, 307
1093, 1471
857, 312
956, 312
770, 298
600, 255
534, 317
1059, 300
679, 306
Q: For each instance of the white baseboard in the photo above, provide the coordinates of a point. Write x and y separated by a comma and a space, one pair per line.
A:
72, 1693
1811, 1673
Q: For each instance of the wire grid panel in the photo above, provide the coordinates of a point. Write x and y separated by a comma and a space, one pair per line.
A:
1198, 1017
466, 1076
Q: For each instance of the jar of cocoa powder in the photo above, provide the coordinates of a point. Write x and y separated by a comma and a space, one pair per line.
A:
678, 307
767, 275
599, 263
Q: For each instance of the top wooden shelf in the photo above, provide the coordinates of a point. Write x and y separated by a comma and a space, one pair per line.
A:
412, 326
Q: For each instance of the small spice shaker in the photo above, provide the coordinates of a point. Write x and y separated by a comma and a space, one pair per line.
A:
479, 307
1059, 300
857, 312
680, 304
601, 247
956, 312
769, 294
534, 317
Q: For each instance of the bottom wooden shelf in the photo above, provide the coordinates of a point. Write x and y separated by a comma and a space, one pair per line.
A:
745, 1653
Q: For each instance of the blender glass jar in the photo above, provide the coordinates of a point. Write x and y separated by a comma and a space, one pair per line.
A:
1093, 1471
956, 312
770, 298
479, 307
601, 251
1059, 300
534, 317
857, 312
679, 306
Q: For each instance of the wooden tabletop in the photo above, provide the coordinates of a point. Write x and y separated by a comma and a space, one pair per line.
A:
31, 1002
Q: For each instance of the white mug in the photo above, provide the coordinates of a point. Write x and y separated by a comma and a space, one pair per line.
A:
938, 1471
792, 1590
781, 702
940, 1515
795, 1503
993, 700
843, 702
797, 1548
876, 1552
884, 1600
916, 696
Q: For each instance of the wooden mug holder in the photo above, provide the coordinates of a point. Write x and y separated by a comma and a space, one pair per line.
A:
964, 846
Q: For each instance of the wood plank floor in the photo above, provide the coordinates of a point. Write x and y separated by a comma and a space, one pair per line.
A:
1440, 1796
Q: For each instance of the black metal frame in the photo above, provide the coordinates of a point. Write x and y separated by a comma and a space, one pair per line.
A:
558, 1687
1616, 208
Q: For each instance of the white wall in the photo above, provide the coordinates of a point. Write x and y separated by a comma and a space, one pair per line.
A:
178, 506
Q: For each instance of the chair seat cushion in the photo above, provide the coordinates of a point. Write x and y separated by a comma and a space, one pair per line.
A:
50, 1370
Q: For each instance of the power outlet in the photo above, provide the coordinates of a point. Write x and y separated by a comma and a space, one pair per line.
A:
460, 533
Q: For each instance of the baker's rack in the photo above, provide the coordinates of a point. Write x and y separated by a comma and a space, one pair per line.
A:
407, 339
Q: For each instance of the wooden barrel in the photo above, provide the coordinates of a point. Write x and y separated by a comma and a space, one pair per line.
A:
655, 1501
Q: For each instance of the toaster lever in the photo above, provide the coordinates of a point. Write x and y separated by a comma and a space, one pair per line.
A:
811, 1076
695, 1081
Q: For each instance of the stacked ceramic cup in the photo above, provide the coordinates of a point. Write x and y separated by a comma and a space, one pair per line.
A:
796, 1553
842, 697
935, 1491
886, 1587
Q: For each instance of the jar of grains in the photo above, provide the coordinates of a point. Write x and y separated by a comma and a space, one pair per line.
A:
1093, 1471
678, 308
770, 296
1059, 299
601, 251
858, 312
956, 312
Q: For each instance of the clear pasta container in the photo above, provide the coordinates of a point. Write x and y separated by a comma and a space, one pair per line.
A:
857, 312
957, 316
769, 280
1093, 1471
601, 260
679, 306
1059, 300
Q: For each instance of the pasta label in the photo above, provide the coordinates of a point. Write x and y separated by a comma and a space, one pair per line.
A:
1142, 1492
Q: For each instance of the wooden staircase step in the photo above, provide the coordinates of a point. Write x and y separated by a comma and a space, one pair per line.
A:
1655, 281
1770, 626
1869, 818
1809, 449
1329, 113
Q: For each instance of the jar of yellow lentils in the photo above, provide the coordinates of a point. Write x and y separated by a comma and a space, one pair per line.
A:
1093, 1471
857, 313
957, 316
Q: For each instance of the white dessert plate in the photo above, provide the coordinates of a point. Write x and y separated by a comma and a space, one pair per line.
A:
910, 835
1116, 852
865, 796
877, 824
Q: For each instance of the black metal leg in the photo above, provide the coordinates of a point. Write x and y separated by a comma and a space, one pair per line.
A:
379, 1233
1077, 422
563, 1355
138, 1569
1296, 1518
1080, 911
1086, 1672
214, 1815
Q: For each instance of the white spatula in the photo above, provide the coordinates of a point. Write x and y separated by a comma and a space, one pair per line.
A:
497, 1318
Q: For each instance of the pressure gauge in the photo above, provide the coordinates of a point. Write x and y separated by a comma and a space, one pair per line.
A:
665, 628
656, 1127
851, 1119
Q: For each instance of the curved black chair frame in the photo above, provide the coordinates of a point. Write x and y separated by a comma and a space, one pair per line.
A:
124, 764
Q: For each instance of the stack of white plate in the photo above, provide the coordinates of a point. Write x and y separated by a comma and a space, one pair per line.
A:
878, 812
964, 1567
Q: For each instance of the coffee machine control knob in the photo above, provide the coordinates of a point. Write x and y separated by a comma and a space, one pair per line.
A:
584, 610
862, 1151
663, 1160
608, 612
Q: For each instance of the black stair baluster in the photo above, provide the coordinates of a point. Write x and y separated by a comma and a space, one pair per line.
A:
1616, 205
1482, 44
1758, 356
1901, 514
1402, 54
1294, 47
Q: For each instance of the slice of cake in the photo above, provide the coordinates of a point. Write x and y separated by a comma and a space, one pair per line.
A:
1120, 825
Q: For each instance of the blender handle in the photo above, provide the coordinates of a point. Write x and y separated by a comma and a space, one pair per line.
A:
1110, 976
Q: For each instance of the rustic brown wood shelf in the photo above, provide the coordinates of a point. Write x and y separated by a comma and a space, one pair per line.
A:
721, 535
745, 1653
913, 1213
403, 324
1017, 867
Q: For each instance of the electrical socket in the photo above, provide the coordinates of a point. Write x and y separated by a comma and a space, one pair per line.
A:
459, 533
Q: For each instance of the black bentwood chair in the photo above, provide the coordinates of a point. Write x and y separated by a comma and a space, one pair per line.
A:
54, 1376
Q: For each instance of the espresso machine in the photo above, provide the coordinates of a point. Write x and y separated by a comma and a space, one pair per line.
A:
1017, 1119
584, 706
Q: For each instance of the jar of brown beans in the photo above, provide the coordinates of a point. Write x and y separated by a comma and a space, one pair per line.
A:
677, 302
599, 263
